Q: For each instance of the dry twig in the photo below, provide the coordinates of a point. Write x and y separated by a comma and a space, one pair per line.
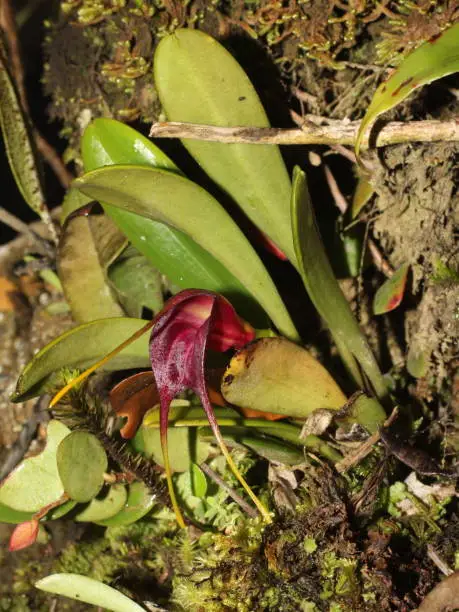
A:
315, 130
365, 448
231, 492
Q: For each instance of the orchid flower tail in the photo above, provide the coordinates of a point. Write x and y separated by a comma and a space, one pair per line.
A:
60, 394
170, 484
224, 449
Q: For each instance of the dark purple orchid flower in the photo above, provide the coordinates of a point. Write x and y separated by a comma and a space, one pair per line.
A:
191, 322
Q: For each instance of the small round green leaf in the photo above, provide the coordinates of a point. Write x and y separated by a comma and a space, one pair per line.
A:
81, 461
139, 502
101, 508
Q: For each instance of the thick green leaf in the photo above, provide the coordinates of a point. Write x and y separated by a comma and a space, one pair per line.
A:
104, 506
198, 81
87, 246
35, 483
433, 60
18, 144
8, 515
275, 375
184, 447
187, 265
81, 462
137, 283
80, 348
390, 294
172, 199
324, 291
139, 502
88, 590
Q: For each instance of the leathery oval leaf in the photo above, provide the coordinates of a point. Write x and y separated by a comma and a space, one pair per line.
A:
198, 81
166, 197
81, 462
89, 590
325, 292
275, 375
185, 263
35, 483
87, 246
80, 348
390, 294
139, 502
106, 505
432, 60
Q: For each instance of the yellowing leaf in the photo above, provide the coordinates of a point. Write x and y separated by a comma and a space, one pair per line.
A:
87, 246
433, 60
275, 375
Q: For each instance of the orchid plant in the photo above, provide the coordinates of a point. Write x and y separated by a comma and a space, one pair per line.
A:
177, 230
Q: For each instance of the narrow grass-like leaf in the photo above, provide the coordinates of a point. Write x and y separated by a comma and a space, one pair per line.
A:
88, 590
81, 462
185, 263
81, 347
324, 291
18, 144
169, 198
87, 246
432, 60
390, 294
198, 81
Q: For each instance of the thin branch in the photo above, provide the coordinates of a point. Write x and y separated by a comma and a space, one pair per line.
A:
329, 132
231, 492
378, 259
